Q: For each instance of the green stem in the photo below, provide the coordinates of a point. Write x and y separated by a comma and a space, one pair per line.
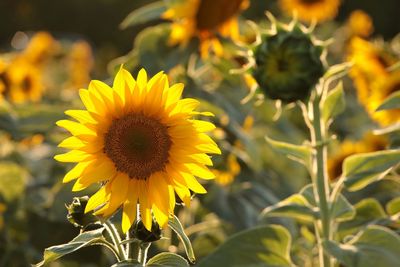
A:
113, 232
320, 181
144, 247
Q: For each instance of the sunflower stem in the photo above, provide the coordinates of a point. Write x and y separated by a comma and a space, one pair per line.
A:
320, 177
144, 247
116, 239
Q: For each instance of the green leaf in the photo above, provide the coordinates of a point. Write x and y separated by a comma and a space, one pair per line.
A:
128, 263
366, 211
177, 227
167, 259
334, 103
393, 206
376, 246
391, 102
82, 240
296, 206
144, 14
342, 210
298, 153
362, 169
337, 70
265, 246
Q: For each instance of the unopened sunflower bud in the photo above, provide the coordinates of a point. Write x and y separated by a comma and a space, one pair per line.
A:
288, 63
140, 232
76, 213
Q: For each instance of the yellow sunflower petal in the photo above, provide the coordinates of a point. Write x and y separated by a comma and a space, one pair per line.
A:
98, 199
76, 171
73, 156
200, 171
75, 128
82, 116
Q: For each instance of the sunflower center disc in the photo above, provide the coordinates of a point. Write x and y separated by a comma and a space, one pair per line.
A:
138, 145
310, 2
212, 13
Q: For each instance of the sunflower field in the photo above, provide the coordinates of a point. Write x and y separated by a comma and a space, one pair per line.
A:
209, 133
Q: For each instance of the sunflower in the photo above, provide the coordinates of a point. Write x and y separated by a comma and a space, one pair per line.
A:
360, 24
140, 140
373, 82
22, 82
205, 19
381, 89
369, 143
80, 64
40, 47
311, 10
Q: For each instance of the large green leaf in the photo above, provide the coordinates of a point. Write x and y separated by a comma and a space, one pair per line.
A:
177, 227
366, 211
82, 240
342, 210
296, 206
334, 103
300, 153
393, 206
392, 102
376, 246
362, 169
337, 70
167, 259
265, 246
144, 14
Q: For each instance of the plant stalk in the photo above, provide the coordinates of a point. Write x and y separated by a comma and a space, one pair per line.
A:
320, 181
144, 247
115, 239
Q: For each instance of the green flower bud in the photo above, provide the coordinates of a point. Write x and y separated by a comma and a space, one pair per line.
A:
140, 232
76, 213
288, 63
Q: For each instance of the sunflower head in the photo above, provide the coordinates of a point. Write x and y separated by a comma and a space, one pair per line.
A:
360, 23
39, 48
311, 10
21, 82
142, 142
205, 19
369, 143
381, 89
288, 63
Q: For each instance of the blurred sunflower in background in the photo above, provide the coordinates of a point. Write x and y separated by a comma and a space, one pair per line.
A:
205, 19
21, 82
373, 81
360, 24
80, 63
369, 143
141, 141
311, 10
381, 90
40, 48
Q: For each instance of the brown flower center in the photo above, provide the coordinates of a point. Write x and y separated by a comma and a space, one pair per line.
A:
310, 2
27, 84
138, 145
212, 13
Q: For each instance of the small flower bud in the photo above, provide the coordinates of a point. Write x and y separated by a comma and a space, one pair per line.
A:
76, 213
288, 63
140, 232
